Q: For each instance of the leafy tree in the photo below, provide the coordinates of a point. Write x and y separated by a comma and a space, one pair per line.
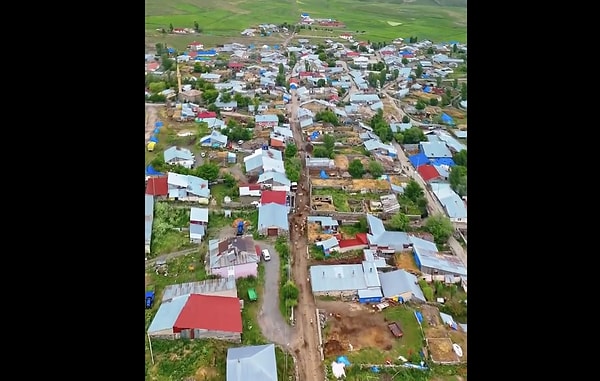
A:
225, 97
356, 169
404, 61
329, 143
455, 83
327, 116
414, 135
458, 180
196, 27
321, 82
413, 191
210, 96
419, 71
289, 290
420, 105
320, 151
208, 171
433, 101
229, 180
399, 221
376, 168
438, 81
293, 168
157, 87
290, 150
235, 132
463, 91
460, 158
405, 119
440, 227
171, 27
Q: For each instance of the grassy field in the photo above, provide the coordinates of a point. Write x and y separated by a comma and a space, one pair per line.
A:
222, 22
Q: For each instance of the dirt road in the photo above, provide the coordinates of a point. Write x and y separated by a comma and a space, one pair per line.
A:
151, 118
306, 346
272, 324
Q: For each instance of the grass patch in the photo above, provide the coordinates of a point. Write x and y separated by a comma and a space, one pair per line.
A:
219, 191
167, 233
352, 230
342, 200
217, 220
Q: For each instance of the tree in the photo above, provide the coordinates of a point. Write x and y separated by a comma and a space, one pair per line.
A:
420, 105
405, 119
208, 171
356, 169
210, 96
196, 27
414, 135
463, 91
157, 87
458, 180
321, 82
329, 143
404, 61
440, 227
433, 101
375, 169
229, 180
320, 151
419, 71
171, 28
290, 151
413, 191
460, 158
399, 222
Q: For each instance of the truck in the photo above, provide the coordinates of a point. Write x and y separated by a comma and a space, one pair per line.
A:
240, 228
150, 293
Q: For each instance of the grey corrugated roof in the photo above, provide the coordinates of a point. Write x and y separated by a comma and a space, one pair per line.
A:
371, 276
325, 278
275, 176
434, 260
273, 215
209, 286
435, 149
323, 220
252, 363
177, 153
199, 214
398, 282
167, 314
370, 293
149, 205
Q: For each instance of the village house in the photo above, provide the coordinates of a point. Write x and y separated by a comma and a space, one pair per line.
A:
232, 257
179, 156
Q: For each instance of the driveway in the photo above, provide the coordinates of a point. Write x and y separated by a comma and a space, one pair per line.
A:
271, 323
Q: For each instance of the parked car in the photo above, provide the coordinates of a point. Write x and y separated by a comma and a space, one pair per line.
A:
266, 255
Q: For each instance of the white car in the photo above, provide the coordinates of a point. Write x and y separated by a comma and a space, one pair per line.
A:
255, 203
266, 255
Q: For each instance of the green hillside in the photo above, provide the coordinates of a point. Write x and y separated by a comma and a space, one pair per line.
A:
382, 20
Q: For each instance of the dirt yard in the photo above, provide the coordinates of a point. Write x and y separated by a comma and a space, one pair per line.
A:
353, 185
341, 162
406, 261
353, 326
440, 337
441, 350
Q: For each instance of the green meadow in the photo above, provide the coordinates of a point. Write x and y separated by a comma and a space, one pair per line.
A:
436, 20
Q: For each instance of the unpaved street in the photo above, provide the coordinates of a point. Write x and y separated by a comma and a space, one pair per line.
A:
306, 345
270, 320
151, 118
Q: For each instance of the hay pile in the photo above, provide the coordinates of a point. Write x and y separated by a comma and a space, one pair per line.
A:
341, 162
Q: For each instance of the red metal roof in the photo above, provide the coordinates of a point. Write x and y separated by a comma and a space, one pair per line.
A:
157, 186
428, 172
235, 64
207, 114
195, 43
210, 312
278, 197
359, 240
277, 143
251, 186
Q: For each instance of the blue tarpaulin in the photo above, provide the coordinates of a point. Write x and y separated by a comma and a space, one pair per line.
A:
447, 118
426, 89
156, 130
443, 161
158, 124
375, 369
419, 160
343, 360
323, 175
150, 171
154, 139
419, 316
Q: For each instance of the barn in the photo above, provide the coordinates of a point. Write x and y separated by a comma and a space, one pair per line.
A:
196, 316
273, 220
